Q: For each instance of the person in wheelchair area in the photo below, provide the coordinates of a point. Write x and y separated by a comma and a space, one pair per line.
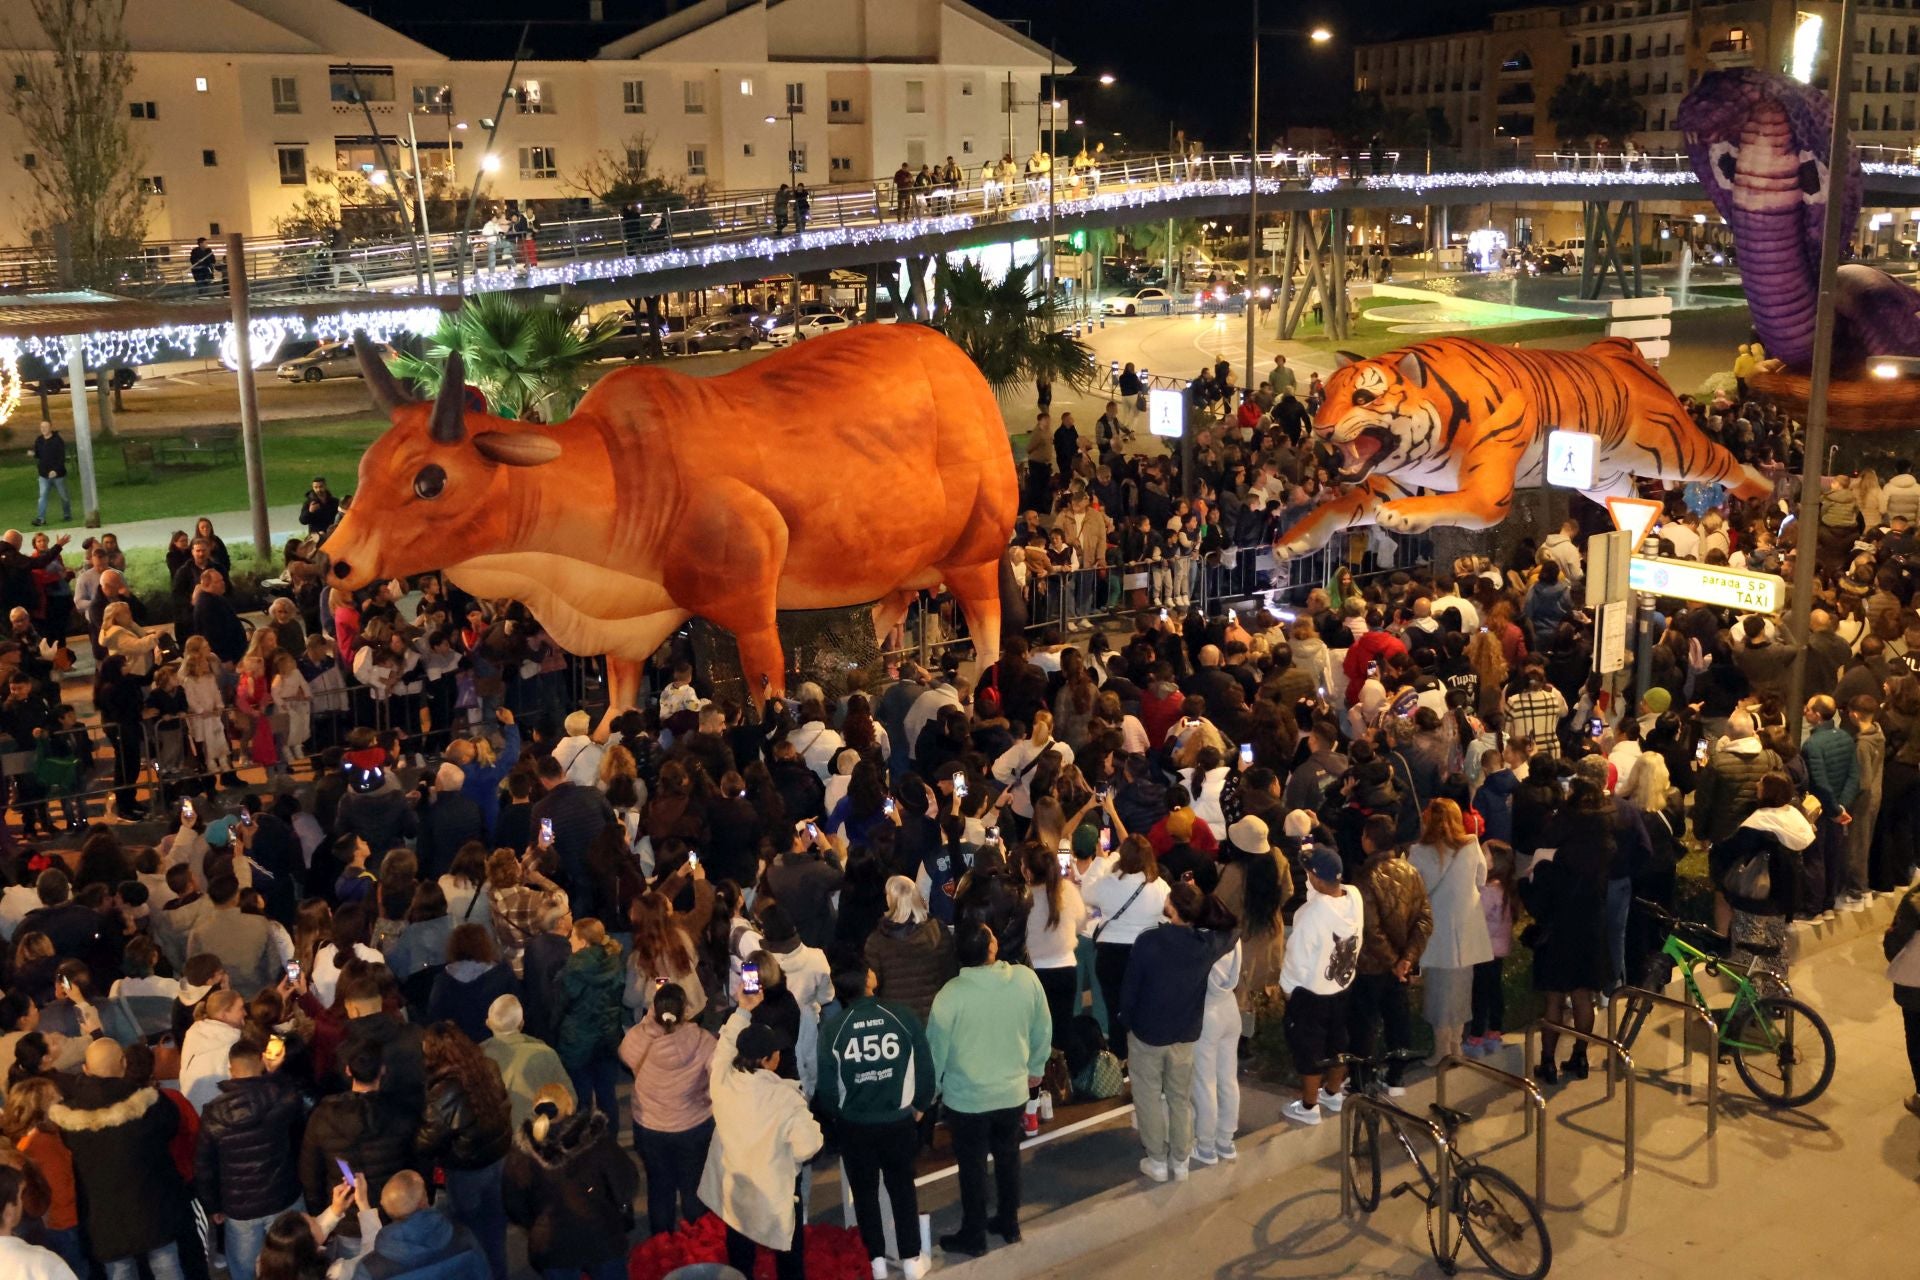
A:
1759, 869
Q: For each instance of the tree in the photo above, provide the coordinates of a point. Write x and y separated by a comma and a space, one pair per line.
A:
528, 359
348, 200
620, 180
69, 98
1003, 326
1585, 110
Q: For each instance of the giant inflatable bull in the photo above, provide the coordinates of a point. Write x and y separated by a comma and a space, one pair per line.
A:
854, 468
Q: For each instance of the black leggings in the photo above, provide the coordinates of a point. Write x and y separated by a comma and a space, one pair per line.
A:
1110, 966
788, 1263
1059, 984
1912, 1019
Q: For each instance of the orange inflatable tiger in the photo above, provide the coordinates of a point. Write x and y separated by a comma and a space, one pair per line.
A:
1468, 422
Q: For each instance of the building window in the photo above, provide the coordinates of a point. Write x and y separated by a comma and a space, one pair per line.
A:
694, 97
839, 106
796, 98
633, 97
538, 163
696, 162
293, 166
356, 84
286, 96
636, 159
29, 161
746, 149
154, 186
966, 146
797, 158
199, 84
916, 97
840, 164
143, 110
213, 228
210, 159
534, 98
746, 86
966, 88
433, 99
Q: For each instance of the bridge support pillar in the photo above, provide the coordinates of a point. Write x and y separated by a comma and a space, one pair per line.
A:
1612, 248
1316, 248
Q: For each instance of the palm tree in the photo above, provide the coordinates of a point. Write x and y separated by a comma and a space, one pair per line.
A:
528, 359
1006, 329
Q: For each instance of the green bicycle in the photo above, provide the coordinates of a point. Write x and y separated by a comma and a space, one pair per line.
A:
1779, 1045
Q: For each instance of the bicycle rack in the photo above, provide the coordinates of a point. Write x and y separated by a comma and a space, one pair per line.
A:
1690, 1013
1442, 1150
1614, 1050
1535, 1110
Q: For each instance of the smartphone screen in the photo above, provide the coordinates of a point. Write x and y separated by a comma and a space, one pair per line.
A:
1373, 669
1066, 864
186, 810
346, 1174
1106, 839
693, 859
750, 979
246, 819
1596, 727
960, 785
546, 832
293, 971
813, 831
1246, 755
1700, 750
886, 806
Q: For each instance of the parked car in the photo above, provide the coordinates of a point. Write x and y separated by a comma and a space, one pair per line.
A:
716, 333
1138, 300
796, 328
118, 379
331, 360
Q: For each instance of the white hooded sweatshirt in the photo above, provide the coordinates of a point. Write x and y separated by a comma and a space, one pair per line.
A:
1323, 946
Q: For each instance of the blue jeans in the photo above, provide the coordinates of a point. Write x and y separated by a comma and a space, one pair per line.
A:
595, 1081
611, 1269
245, 1238
674, 1163
66, 503
164, 1262
1619, 904
72, 1250
475, 1204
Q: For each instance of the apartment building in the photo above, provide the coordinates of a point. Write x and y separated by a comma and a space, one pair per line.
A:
236, 102
1443, 72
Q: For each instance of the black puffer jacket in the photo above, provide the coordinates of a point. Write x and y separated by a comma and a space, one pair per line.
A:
131, 1198
372, 1132
452, 1135
572, 1191
913, 961
244, 1163
1000, 900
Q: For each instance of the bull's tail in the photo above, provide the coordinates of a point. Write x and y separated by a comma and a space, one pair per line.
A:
1013, 602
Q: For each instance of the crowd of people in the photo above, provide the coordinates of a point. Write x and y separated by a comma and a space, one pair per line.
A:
380, 1023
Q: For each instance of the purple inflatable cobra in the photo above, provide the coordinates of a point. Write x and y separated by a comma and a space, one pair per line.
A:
1758, 141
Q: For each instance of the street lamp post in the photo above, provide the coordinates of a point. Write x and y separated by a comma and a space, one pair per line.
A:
793, 146
1318, 35
420, 200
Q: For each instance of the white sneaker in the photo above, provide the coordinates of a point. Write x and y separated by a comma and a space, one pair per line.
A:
1153, 1169
1180, 1171
1226, 1152
879, 1269
1204, 1157
915, 1268
1300, 1114
1331, 1102
1396, 1091
1860, 903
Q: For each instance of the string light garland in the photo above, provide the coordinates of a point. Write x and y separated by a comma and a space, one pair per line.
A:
11, 383
111, 347
264, 336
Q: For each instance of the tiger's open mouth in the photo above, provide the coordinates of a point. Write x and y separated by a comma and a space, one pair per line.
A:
1365, 451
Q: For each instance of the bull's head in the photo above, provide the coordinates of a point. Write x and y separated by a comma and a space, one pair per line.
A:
432, 490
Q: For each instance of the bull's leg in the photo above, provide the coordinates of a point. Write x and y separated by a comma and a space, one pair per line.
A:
977, 588
891, 611
725, 564
625, 679
626, 670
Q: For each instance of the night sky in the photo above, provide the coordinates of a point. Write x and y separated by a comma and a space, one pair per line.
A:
1179, 61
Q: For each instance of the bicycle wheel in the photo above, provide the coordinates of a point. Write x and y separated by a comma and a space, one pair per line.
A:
1782, 1050
1502, 1223
1363, 1161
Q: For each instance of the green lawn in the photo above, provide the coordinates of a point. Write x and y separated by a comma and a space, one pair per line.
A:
294, 453
1370, 340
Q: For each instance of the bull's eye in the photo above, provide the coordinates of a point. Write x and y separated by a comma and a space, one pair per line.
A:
430, 481
1362, 396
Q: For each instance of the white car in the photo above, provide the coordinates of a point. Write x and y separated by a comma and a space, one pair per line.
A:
1139, 300
812, 326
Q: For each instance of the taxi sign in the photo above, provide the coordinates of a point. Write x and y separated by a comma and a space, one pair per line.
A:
1708, 584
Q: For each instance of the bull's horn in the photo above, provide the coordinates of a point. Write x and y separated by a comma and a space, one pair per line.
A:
449, 424
386, 390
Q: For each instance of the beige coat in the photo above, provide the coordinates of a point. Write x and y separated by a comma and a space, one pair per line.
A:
763, 1132
1260, 952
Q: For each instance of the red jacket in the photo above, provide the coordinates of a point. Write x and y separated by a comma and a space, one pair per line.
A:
1374, 646
1157, 713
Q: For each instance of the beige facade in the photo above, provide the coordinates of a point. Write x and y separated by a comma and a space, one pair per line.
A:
235, 102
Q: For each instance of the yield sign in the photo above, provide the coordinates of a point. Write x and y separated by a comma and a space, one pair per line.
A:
1634, 516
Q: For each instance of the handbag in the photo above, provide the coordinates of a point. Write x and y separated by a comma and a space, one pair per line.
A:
1752, 879
1100, 1078
60, 775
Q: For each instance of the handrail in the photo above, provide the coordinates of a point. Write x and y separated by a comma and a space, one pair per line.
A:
1614, 1048
1690, 1012
1535, 1110
1443, 1157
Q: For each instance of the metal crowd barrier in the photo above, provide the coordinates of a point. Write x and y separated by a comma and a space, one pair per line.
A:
1690, 1014
1613, 1049
1534, 1112
1443, 1158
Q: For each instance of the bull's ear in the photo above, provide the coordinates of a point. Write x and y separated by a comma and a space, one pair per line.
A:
1341, 359
517, 448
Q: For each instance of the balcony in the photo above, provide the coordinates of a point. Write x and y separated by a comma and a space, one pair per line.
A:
1730, 52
